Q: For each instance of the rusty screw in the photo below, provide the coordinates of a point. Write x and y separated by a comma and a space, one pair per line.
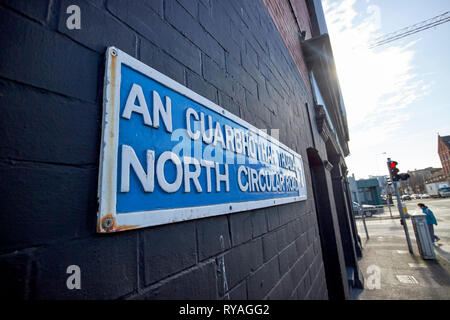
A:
113, 52
107, 223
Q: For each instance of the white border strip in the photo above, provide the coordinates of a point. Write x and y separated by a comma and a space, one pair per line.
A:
107, 218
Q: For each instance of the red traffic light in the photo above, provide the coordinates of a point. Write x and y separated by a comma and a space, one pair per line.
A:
393, 170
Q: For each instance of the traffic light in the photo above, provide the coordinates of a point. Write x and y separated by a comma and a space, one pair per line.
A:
394, 170
404, 176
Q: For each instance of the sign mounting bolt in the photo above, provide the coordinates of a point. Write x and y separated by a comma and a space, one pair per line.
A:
107, 223
113, 52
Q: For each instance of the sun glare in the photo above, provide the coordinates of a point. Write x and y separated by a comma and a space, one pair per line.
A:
377, 84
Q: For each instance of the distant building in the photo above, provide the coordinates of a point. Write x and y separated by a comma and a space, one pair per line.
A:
382, 182
369, 191
444, 154
418, 179
353, 187
365, 191
438, 176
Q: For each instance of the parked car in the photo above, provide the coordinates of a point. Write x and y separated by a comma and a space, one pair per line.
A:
368, 209
444, 192
415, 196
406, 197
425, 196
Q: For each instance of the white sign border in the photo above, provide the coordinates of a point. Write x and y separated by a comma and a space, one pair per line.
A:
107, 218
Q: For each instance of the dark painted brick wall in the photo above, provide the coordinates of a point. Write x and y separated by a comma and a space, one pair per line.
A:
51, 87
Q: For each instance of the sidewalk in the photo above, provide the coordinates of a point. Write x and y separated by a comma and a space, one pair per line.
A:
402, 276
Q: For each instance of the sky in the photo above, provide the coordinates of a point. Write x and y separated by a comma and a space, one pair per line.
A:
397, 96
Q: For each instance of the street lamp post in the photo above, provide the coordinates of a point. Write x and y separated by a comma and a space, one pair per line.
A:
388, 194
389, 198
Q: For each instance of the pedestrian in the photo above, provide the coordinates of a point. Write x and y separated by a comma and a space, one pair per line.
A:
431, 220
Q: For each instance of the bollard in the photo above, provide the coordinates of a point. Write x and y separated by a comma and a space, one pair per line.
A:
364, 223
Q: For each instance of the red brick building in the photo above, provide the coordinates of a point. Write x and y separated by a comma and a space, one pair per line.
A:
444, 153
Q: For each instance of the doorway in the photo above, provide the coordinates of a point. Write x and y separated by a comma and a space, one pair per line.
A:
330, 239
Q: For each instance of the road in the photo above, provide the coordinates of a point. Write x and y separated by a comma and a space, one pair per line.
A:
381, 224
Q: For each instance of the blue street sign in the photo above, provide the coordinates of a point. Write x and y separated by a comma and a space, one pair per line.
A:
169, 154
